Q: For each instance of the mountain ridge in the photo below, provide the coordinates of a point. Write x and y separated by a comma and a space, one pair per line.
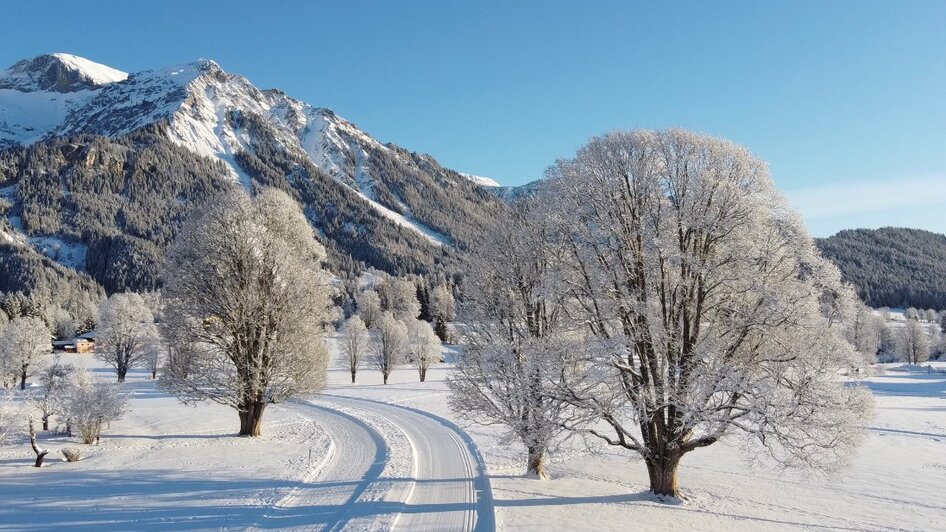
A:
369, 198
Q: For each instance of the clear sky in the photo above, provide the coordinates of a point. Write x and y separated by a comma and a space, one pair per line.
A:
845, 99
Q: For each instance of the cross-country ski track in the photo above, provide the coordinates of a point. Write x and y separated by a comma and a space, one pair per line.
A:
440, 484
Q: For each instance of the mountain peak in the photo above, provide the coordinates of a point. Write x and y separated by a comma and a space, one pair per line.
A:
58, 72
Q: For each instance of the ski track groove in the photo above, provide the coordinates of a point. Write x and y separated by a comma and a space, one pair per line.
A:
480, 515
330, 515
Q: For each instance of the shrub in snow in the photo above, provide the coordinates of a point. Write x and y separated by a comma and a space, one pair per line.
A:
89, 404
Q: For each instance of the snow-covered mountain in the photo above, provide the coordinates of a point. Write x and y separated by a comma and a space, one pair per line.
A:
215, 114
481, 180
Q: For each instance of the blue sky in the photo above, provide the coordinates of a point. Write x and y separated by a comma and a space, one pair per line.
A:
845, 99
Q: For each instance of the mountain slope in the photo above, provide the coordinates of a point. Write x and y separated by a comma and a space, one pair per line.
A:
892, 266
75, 133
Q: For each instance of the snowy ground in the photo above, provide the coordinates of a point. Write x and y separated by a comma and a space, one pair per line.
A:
388, 457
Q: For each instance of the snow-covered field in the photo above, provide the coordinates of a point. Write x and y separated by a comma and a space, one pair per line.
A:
370, 456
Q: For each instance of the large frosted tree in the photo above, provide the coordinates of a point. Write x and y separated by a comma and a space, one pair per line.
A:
247, 298
707, 308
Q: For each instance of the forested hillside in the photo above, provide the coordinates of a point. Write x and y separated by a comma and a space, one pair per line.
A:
100, 179
121, 198
892, 266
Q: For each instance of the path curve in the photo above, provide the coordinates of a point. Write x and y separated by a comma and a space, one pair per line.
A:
451, 489
327, 502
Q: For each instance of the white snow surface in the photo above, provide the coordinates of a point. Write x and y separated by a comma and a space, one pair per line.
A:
368, 456
26, 117
94, 72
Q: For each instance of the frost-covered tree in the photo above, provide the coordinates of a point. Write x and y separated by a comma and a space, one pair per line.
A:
707, 300
154, 353
442, 309
354, 340
369, 306
399, 296
914, 342
423, 346
90, 404
889, 340
9, 413
24, 342
864, 333
126, 332
390, 344
246, 297
62, 323
911, 314
513, 303
54, 380
930, 315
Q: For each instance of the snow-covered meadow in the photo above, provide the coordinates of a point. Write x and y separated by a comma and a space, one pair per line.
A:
369, 456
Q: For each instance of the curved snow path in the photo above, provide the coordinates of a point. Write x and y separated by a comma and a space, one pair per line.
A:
450, 489
439, 484
327, 500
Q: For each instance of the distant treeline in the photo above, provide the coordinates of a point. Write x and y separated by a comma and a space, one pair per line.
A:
892, 267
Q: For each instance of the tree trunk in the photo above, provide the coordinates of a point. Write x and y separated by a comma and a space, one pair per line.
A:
423, 374
663, 475
536, 466
251, 418
122, 370
154, 374
23, 379
440, 329
385, 374
40, 453
353, 376
45, 422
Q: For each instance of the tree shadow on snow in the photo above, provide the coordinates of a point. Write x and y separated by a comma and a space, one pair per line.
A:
632, 499
129, 500
909, 384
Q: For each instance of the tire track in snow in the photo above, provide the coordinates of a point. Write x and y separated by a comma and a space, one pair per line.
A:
326, 498
451, 490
